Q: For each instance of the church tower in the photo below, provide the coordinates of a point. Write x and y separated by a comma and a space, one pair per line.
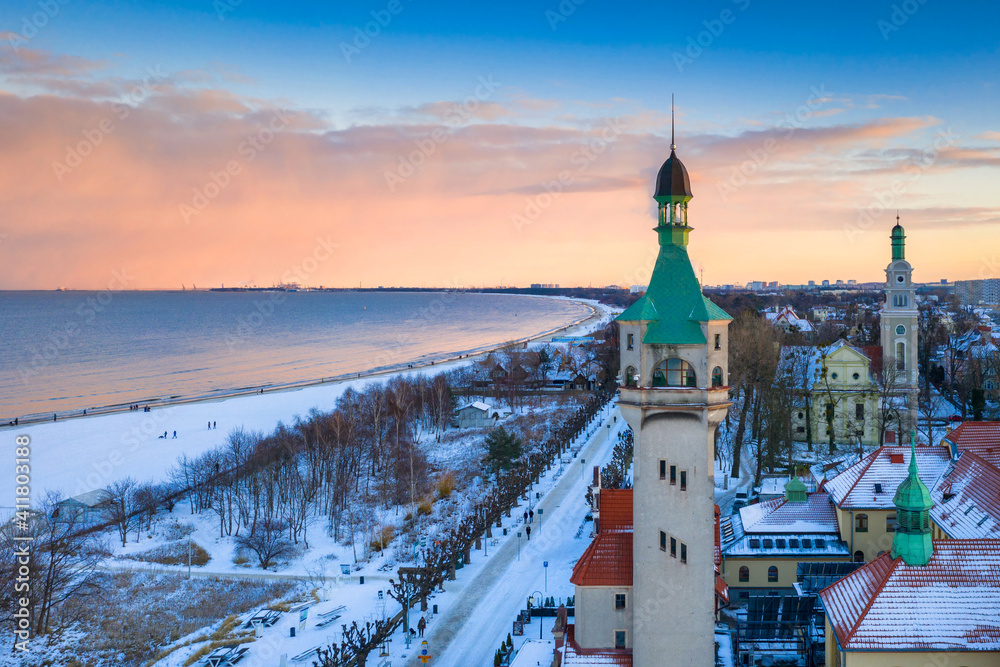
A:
674, 356
899, 326
912, 539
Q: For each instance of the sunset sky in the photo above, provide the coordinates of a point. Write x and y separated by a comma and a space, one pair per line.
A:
464, 144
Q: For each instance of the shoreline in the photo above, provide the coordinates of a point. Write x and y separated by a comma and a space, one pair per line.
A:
222, 395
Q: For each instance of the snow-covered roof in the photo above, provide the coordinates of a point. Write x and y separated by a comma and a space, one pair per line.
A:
89, 499
983, 438
871, 482
478, 405
967, 499
801, 545
816, 515
787, 315
950, 604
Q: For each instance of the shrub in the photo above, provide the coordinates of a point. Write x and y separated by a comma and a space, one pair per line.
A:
172, 554
382, 538
177, 531
425, 506
446, 484
240, 559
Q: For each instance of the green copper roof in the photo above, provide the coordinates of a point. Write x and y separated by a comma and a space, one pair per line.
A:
912, 494
673, 303
795, 491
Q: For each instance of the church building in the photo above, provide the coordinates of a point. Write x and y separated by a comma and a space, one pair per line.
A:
899, 327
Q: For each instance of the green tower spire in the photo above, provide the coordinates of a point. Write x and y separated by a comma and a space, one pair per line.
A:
912, 540
795, 490
673, 304
898, 237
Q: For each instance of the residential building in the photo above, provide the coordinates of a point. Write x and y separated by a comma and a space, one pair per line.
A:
981, 438
978, 292
788, 320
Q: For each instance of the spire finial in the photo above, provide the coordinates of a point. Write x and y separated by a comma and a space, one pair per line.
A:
673, 146
897, 216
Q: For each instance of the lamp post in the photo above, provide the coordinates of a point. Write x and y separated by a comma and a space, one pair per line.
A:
539, 606
518, 545
545, 565
540, 512
485, 541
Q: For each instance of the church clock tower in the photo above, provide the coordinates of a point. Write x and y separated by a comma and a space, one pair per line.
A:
899, 326
674, 394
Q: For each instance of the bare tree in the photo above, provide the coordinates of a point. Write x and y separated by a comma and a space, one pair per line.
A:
268, 543
122, 508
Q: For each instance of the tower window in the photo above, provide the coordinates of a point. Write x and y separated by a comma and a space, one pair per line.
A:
890, 523
684, 480
718, 341
684, 553
673, 547
674, 372
717, 376
859, 410
663, 469
900, 356
744, 573
663, 541
856, 376
772, 574
619, 600
620, 638
900, 330
861, 523
673, 474
630, 376
630, 344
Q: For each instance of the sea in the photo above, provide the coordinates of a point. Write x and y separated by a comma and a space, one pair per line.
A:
67, 351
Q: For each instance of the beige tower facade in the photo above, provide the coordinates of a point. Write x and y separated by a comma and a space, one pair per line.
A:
674, 394
899, 317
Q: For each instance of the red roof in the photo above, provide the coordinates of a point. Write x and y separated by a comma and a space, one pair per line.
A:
874, 354
983, 438
608, 559
950, 604
967, 499
574, 655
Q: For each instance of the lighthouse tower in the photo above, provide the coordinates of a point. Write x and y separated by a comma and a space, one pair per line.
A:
899, 327
673, 395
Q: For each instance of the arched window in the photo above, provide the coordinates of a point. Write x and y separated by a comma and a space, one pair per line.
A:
860, 523
717, 376
673, 372
859, 556
744, 573
900, 356
630, 377
772, 574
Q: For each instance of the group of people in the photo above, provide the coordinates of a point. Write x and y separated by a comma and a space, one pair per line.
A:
164, 436
135, 408
211, 425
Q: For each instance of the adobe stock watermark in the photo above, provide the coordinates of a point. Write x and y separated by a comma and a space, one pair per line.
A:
45, 351
899, 16
758, 157
263, 309
714, 28
223, 7
888, 199
581, 158
363, 36
95, 136
562, 12
35, 23
409, 164
249, 149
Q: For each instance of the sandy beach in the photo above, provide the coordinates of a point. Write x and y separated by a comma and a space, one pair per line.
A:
78, 454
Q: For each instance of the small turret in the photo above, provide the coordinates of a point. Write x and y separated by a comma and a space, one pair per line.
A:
912, 540
795, 491
898, 237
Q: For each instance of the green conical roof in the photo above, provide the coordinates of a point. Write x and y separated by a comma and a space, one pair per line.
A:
673, 304
912, 494
795, 491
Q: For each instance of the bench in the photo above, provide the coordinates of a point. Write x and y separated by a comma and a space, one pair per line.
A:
225, 655
335, 610
305, 655
267, 618
328, 621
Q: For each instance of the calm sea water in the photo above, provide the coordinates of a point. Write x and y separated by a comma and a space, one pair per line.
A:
72, 350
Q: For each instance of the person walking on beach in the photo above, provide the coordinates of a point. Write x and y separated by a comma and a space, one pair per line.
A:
215, 425
175, 435
209, 426
528, 531
421, 626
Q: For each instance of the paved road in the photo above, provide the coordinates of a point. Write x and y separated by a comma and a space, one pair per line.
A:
470, 631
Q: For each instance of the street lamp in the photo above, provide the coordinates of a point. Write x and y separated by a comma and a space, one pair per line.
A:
485, 541
539, 607
545, 565
540, 512
519, 545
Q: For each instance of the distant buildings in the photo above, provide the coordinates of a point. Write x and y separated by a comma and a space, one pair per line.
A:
978, 292
544, 285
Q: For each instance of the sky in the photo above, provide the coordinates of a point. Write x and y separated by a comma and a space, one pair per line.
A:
408, 143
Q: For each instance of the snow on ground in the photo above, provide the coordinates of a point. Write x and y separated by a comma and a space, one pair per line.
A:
476, 611
74, 456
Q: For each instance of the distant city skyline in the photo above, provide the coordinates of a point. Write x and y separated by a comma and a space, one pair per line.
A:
396, 143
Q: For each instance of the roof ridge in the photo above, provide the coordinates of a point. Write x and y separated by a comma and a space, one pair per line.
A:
874, 596
871, 457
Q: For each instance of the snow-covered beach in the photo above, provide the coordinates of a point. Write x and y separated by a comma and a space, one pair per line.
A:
74, 456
